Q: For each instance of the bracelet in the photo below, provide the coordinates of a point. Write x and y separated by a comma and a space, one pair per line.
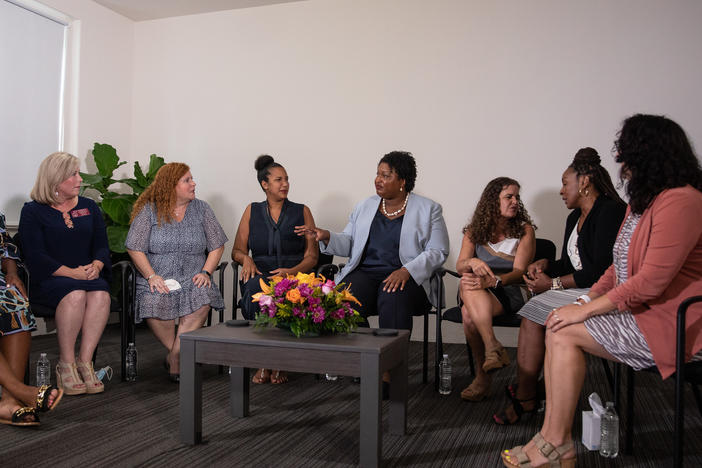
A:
206, 272
586, 299
578, 303
556, 283
150, 276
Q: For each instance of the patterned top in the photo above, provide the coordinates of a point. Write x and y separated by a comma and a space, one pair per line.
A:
176, 250
14, 309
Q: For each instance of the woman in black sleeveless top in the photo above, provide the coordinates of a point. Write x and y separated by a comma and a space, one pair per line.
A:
266, 230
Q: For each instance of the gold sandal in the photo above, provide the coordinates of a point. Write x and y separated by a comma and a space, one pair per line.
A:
92, 383
553, 454
68, 380
262, 376
471, 394
496, 358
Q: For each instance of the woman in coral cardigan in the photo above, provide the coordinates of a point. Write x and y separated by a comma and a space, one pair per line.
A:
629, 314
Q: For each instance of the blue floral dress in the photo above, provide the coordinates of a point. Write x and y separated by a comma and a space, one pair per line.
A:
14, 309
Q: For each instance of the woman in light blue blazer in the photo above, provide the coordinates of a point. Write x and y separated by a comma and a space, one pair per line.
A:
395, 240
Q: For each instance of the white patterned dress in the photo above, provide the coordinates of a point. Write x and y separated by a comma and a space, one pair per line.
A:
176, 250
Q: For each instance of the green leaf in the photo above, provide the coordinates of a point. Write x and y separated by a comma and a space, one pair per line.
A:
140, 177
136, 187
106, 159
91, 179
116, 237
155, 163
118, 209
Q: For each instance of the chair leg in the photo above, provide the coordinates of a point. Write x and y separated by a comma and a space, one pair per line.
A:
629, 438
439, 349
471, 362
425, 350
608, 374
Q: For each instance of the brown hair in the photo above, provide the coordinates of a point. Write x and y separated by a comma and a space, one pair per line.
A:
161, 192
487, 214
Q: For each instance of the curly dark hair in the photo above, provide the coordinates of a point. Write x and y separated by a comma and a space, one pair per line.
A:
487, 214
586, 162
263, 166
402, 162
655, 155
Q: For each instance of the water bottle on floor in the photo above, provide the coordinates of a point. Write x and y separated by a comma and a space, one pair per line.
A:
43, 370
445, 375
609, 432
131, 363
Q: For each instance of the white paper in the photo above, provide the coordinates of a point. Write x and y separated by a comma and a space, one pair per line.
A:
172, 284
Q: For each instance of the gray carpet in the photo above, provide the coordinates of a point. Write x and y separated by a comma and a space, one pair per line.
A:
308, 422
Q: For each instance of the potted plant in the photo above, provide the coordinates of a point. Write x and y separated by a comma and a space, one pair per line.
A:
117, 206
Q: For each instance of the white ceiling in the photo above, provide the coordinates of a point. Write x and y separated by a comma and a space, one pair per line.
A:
141, 10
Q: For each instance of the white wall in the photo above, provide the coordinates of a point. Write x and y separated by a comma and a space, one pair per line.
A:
99, 81
474, 89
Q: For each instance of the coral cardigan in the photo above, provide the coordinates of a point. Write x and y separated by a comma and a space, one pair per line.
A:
665, 267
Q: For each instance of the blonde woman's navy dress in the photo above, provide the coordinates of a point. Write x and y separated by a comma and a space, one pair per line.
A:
48, 243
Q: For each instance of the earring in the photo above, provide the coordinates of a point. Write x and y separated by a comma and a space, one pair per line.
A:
56, 193
400, 189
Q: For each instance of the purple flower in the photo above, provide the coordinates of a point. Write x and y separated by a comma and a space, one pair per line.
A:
283, 287
298, 312
313, 301
338, 313
318, 315
305, 290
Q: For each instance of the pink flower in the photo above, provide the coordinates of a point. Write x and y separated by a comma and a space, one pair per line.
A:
318, 315
265, 301
305, 290
313, 301
328, 286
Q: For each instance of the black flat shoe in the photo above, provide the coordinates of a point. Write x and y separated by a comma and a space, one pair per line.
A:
175, 378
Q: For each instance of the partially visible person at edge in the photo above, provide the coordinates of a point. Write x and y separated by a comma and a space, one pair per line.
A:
395, 240
498, 245
176, 243
64, 242
267, 229
19, 403
590, 231
629, 315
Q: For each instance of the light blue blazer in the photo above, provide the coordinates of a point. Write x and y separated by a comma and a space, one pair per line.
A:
424, 241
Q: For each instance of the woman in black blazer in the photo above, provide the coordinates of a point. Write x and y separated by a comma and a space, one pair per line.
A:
591, 229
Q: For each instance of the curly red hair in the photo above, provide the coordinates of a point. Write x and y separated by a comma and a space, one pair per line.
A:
161, 193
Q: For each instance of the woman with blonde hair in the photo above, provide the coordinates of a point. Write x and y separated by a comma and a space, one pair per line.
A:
176, 243
65, 247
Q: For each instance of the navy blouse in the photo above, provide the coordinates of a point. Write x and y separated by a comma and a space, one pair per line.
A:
382, 251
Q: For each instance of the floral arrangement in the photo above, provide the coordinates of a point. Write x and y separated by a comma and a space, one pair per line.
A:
307, 304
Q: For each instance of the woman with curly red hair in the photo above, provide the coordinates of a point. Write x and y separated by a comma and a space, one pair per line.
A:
176, 243
498, 245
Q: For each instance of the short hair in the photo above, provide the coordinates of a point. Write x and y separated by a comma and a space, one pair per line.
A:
655, 155
53, 170
404, 165
263, 166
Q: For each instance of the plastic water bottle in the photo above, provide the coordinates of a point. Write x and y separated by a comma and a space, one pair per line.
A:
104, 373
445, 375
43, 370
131, 363
609, 432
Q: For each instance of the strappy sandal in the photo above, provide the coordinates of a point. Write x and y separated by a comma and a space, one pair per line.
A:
470, 393
496, 358
503, 419
553, 454
262, 376
92, 383
42, 399
67, 378
277, 378
19, 418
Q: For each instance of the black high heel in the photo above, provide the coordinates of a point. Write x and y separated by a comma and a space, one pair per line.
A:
502, 419
175, 378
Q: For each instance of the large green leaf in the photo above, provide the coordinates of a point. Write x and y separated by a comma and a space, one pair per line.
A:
91, 179
155, 163
136, 187
106, 159
118, 209
116, 237
140, 177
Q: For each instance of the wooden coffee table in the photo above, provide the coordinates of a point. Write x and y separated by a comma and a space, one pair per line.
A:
358, 354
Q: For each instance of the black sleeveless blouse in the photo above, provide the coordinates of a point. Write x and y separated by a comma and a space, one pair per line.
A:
275, 245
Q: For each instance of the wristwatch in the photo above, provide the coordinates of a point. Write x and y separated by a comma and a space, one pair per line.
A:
207, 273
498, 281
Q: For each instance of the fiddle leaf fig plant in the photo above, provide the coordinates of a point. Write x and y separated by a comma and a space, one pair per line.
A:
117, 206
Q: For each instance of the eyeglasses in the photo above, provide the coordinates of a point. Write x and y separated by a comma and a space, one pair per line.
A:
67, 219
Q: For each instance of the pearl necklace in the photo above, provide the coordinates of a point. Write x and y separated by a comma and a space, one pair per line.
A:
394, 213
